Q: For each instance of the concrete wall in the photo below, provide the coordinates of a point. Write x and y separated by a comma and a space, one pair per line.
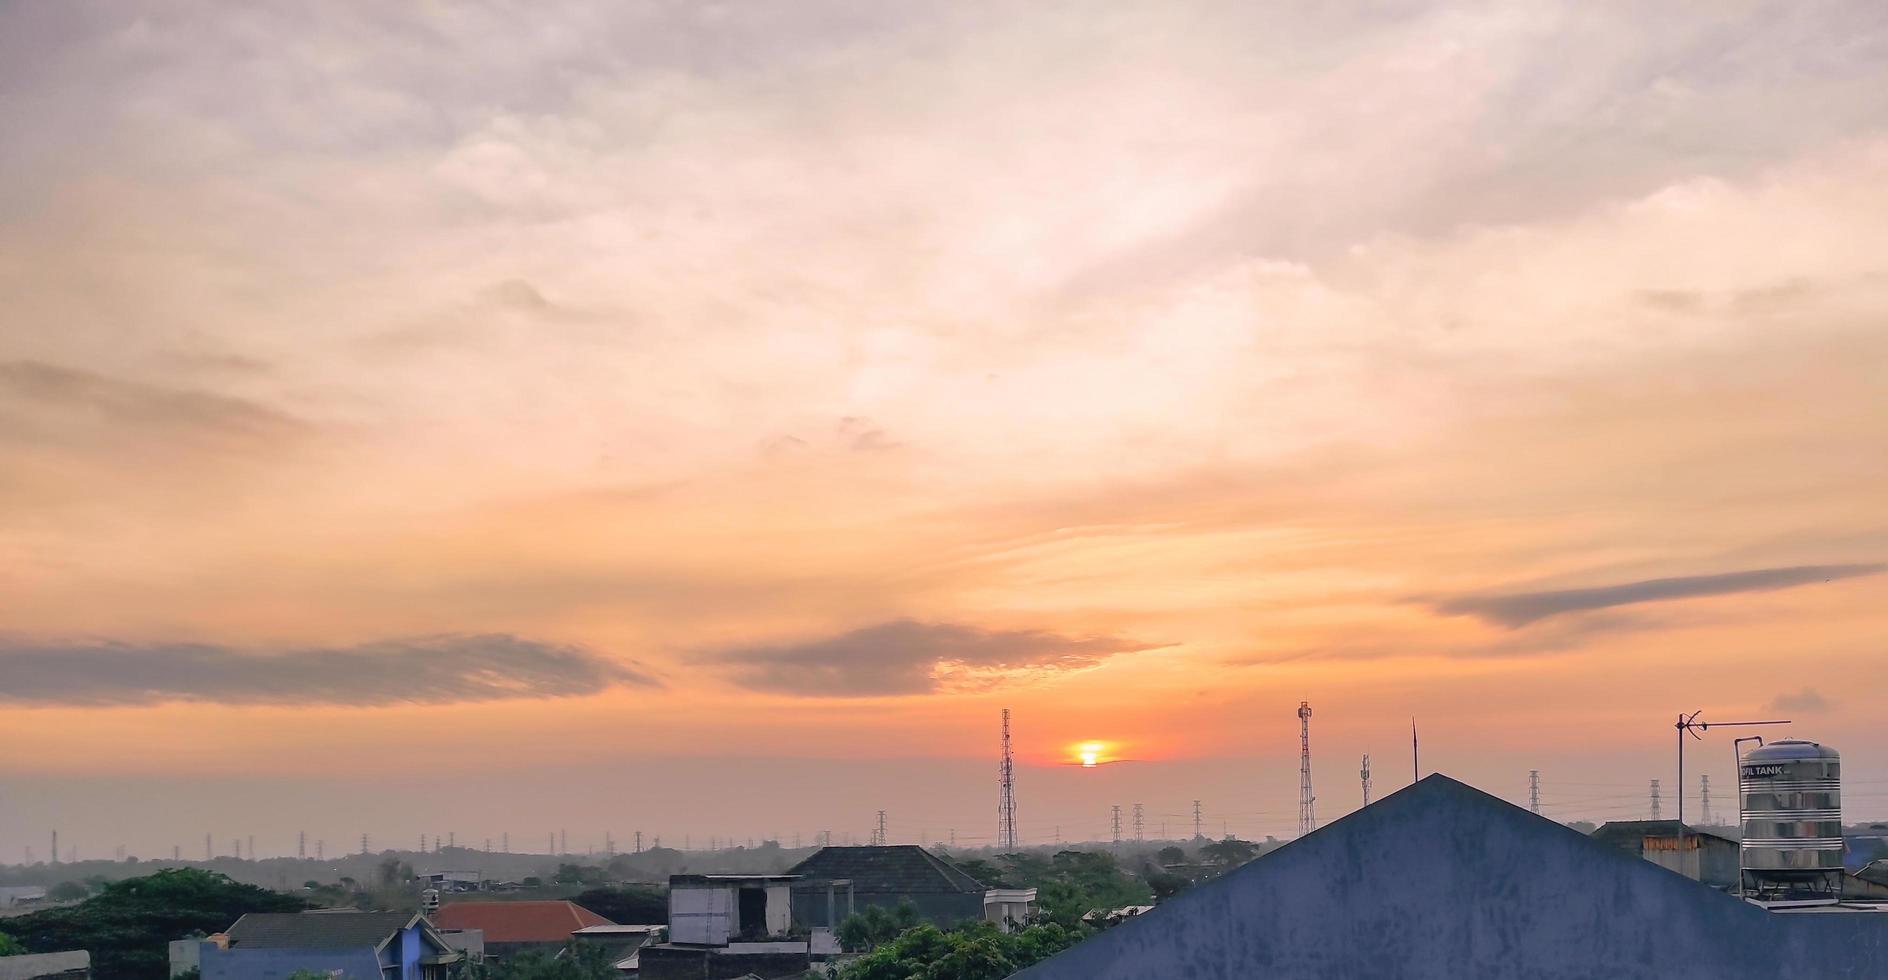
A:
704, 916
1441, 882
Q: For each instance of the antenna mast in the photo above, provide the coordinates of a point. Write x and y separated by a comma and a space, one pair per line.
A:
1006, 794
1307, 818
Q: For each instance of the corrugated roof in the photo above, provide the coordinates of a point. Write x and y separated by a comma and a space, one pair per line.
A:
316, 930
519, 922
30, 966
1629, 833
899, 869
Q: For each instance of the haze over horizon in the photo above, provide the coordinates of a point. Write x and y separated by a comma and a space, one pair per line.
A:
704, 419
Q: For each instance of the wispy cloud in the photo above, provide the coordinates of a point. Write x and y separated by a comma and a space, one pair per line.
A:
909, 657
1518, 609
53, 403
427, 670
1806, 700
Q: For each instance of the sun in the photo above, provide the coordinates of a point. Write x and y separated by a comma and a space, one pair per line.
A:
1089, 753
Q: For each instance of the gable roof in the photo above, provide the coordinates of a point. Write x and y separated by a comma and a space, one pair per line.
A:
1440, 880
519, 922
317, 930
898, 869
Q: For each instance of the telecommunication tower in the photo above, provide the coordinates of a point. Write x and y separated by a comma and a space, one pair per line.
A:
1006, 794
878, 832
1656, 814
1196, 820
301, 844
1365, 775
1704, 793
1115, 820
1138, 835
1307, 817
363, 843
1534, 791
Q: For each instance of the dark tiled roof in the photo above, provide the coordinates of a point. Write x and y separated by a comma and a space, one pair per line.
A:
316, 930
902, 869
519, 922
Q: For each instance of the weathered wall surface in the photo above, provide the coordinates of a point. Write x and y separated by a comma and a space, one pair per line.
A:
1442, 882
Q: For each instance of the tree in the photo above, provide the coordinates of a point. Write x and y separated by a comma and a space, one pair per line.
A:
583, 961
128, 926
1229, 852
10, 946
976, 952
875, 925
67, 891
1172, 855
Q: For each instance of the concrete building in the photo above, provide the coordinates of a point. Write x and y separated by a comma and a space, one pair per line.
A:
71, 965
888, 877
345, 945
722, 927
12, 896
1440, 881
1009, 909
1697, 854
621, 943
510, 928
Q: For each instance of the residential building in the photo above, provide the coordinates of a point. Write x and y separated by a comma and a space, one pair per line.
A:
889, 876
511, 928
1440, 881
620, 942
1697, 854
16, 895
345, 945
722, 927
455, 881
70, 965
1009, 909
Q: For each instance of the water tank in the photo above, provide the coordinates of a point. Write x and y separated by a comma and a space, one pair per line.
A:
1791, 791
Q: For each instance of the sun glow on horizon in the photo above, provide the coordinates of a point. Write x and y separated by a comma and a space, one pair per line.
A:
1090, 753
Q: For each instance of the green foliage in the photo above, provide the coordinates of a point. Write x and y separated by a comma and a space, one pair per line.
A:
630, 905
1166, 884
67, 891
1172, 855
978, 952
579, 874
875, 925
128, 926
1230, 852
584, 961
10, 946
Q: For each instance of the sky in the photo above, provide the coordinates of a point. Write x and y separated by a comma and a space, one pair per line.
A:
705, 419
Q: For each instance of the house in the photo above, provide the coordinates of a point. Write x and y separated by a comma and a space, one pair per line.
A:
1009, 909
71, 965
12, 895
455, 881
620, 943
346, 944
722, 927
1697, 854
511, 928
888, 877
1440, 880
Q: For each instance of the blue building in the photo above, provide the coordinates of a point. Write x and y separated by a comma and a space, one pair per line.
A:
1440, 881
347, 945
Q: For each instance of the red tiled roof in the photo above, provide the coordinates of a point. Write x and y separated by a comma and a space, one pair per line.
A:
519, 922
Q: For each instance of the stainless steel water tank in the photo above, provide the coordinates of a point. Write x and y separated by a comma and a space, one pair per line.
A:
1791, 791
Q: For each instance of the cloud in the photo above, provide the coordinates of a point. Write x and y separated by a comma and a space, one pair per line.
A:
909, 657
44, 402
1806, 699
428, 670
1518, 609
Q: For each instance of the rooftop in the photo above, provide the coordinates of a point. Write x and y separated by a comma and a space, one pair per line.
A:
899, 869
317, 930
519, 922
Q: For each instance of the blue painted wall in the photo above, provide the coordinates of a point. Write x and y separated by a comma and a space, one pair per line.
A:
277, 964
1440, 882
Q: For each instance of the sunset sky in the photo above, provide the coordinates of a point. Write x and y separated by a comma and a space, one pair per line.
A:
705, 418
